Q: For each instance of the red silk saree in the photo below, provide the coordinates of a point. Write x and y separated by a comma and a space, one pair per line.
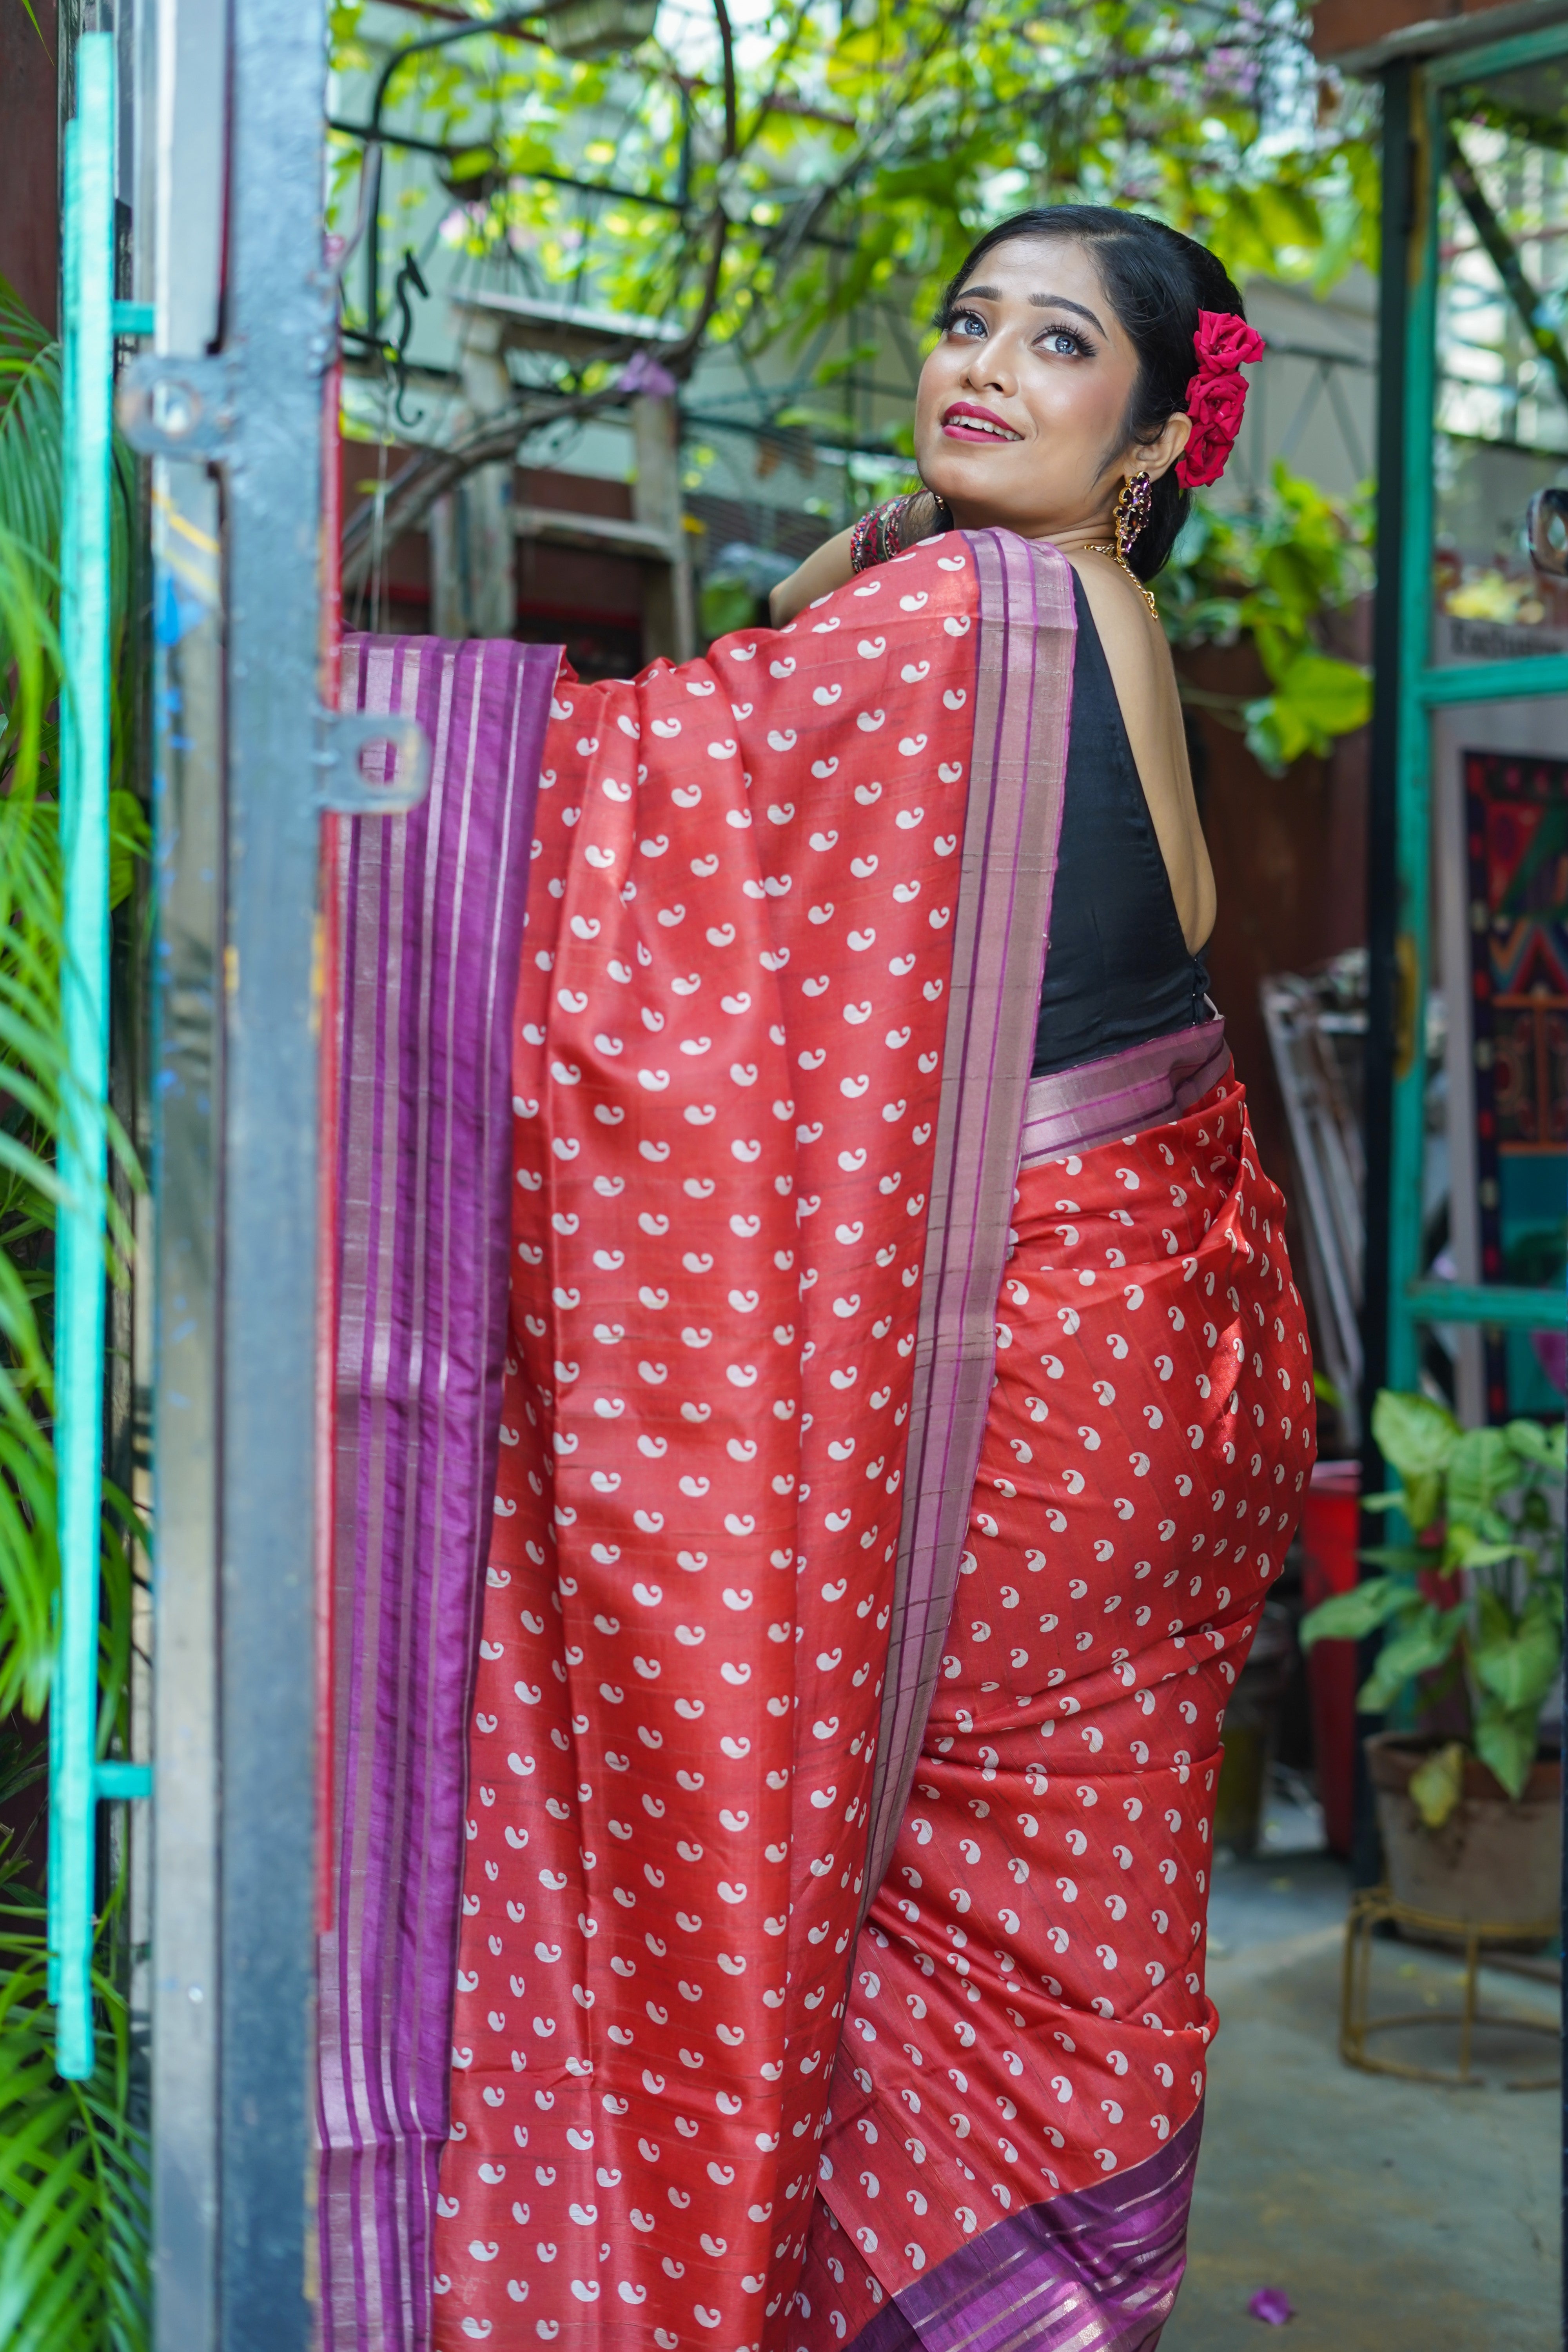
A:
894, 1455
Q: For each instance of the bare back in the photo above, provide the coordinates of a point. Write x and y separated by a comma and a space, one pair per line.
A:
1144, 678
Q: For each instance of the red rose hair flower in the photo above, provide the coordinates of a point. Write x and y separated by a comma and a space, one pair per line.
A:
1216, 396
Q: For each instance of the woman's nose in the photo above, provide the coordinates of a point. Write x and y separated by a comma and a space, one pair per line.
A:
987, 370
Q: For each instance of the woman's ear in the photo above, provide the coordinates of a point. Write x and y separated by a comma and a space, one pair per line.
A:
1157, 457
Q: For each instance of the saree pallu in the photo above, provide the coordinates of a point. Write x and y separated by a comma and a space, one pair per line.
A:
785, 924
767, 1131
431, 917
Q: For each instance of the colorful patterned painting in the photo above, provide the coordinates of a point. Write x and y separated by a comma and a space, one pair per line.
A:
1516, 832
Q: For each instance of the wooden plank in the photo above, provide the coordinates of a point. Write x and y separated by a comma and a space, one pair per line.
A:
607, 534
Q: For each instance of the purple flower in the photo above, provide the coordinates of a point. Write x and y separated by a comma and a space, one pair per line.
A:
1272, 2304
644, 374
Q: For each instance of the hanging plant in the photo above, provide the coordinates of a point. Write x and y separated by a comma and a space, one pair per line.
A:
1270, 573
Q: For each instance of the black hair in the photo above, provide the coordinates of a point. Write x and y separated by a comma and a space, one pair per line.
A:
1157, 281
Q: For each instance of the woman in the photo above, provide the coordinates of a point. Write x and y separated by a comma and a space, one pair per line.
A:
907, 1407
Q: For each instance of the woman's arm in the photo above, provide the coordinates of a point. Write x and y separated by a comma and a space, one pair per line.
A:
826, 568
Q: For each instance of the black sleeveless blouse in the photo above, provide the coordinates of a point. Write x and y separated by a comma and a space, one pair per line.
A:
1117, 972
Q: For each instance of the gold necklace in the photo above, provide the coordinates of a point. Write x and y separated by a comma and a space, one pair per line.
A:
1108, 547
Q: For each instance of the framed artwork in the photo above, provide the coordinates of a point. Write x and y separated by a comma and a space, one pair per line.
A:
1516, 835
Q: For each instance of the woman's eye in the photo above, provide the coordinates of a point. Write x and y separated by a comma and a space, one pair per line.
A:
1063, 340
968, 322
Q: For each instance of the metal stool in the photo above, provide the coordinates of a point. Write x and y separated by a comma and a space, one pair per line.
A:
1368, 1911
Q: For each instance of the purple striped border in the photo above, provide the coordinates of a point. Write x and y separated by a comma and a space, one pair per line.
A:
1022, 694
432, 922
1072, 1110
1095, 2271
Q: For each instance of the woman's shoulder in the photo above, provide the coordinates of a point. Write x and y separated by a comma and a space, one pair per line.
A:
1133, 641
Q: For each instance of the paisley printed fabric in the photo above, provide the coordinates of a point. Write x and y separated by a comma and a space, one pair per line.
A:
1027, 2016
731, 1029
800, 1382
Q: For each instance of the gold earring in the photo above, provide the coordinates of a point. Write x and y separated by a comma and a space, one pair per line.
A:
1130, 514
1132, 504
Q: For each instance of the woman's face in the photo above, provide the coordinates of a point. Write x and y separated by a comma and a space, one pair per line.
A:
1018, 417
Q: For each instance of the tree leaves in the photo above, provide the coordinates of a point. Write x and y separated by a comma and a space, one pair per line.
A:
1316, 698
1270, 573
895, 131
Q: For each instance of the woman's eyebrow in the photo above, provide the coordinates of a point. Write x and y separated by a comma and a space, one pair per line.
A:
1037, 302
1060, 302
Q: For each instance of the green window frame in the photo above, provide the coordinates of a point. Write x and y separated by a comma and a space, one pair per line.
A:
1421, 687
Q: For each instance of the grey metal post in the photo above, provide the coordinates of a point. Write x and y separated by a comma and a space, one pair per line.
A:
181, 95
277, 335
237, 826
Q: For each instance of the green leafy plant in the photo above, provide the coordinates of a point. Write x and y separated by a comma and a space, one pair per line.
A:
1473, 1602
73, 2202
1270, 573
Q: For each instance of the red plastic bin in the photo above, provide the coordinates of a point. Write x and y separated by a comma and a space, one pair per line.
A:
1331, 1530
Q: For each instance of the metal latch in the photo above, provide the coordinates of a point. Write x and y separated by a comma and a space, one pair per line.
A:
352, 781
177, 408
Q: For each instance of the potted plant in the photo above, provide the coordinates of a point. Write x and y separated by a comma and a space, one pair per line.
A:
1471, 1610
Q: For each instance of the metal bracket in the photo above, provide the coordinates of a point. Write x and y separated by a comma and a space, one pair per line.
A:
177, 408
348, 783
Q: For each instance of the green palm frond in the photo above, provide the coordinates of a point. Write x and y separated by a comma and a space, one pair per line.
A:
73, 2184
32, 453
73, 2171
33, 1081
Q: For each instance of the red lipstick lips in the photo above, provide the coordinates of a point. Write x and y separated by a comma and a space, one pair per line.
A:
966, 422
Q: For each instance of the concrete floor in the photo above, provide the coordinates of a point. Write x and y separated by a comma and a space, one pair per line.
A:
1398, 2217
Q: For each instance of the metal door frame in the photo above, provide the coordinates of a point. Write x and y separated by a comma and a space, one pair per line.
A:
1408, 688
231, 113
